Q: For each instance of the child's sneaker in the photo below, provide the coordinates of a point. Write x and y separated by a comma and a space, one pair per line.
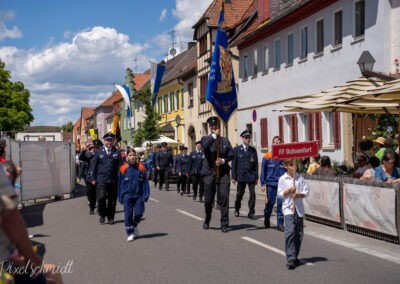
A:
130, 238
136, 232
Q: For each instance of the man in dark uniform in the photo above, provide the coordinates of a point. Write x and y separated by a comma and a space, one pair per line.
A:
156, 175
245, 172
183, 169
216, 172
163, 165
175, 170
196, 161
104, 167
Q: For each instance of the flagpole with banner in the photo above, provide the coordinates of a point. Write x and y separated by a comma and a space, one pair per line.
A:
124, 90
156, 75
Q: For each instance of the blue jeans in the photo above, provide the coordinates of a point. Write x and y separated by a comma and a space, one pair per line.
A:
294, 231
131, 204
271, 193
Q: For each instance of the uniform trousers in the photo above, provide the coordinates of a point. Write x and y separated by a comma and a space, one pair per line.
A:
210, 189
184, 183
294, 231
107, 199
91, 194
197, 183
132, 205
164, 178
272, 193
252, 196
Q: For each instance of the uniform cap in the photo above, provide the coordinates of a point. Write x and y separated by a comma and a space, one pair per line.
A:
159, 146
97, 143
213, 120
198, 142
164, 144
108, 136
182, 147
245, 133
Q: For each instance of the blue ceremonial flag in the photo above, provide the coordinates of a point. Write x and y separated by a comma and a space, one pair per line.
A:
124, 90
156, 74
221, 89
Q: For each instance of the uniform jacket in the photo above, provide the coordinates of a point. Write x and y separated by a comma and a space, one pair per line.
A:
183, 162
196, 161
87, 158
271, 170
245, 164
105, 167
210, 155
164, 160
133, 182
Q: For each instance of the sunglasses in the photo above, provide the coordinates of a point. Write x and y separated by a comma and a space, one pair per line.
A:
389, 161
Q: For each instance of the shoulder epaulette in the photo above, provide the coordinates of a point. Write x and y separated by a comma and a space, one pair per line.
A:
268, 155
123, 168
141, 168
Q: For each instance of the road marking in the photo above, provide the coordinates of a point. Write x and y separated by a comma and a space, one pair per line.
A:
271, 248
155, 200
356, 247
190, 215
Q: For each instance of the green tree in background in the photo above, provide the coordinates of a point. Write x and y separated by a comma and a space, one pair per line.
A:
15, 110
150, 129
67, 127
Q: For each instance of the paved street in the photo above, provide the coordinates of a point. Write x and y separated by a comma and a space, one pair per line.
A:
173, 247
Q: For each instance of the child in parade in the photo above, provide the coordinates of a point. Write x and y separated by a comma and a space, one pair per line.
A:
293, 211
133, 192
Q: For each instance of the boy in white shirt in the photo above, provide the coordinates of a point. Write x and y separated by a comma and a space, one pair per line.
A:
293, 211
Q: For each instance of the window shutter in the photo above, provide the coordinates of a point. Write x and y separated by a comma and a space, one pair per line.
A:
336, 129
293, 127
318, 127
264, 132
310, 126
280, 123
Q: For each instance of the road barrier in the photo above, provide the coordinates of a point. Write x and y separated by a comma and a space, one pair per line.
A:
369, 208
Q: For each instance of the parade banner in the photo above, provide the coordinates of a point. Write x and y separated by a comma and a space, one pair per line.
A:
295, 150
370, 207
323, 200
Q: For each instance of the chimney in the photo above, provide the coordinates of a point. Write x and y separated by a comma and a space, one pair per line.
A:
263, 10
191, 44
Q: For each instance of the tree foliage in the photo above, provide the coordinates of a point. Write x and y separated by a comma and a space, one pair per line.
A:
387, 125
150, 129
15, 110
68, 127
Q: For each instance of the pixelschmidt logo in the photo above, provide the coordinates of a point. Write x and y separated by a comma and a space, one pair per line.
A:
30, 269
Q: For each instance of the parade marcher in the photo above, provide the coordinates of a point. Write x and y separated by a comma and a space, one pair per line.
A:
271, 171
196, 161
216, 172
183, 169
133, 192
156, 173
175, 170
104, 168
245, 172
293, 211
163, 165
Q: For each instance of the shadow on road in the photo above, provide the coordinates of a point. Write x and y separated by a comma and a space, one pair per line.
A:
312, 260
242, 227
150, 236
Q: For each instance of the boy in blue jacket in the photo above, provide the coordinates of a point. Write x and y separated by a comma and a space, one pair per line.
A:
133, 192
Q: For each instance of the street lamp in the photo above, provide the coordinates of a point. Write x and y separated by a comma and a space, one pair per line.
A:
366, 64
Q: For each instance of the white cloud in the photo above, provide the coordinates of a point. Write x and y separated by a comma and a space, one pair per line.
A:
163, 15
5, 32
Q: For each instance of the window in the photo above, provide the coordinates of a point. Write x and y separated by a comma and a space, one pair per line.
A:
264, 132
303, 43
245, 67
281, 129
277, 54
255, 63
359, 18
165, 97
182, 99
319, 36
176, 100
159, 104
293, 128
337, 26
329, 127
203, 88
266, 58
203, 45
171, 101
290, 43
190, 92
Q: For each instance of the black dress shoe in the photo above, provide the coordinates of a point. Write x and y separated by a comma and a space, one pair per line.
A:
252, 217
224, 229
91, 212
291, 264
201, 200
236, 213
206, 226
102, 220
297, 262
194, 197
111, 221
267, 224
280, 228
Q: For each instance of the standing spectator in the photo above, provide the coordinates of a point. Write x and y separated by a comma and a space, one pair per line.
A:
313, 165
245, 172
196, 161
388, 172
326, 167
133, 192
293, 189
163, 165
271, 170
104, 167
216, 173
380, 147
183, 170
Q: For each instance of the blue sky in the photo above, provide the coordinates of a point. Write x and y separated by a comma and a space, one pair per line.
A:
70, 53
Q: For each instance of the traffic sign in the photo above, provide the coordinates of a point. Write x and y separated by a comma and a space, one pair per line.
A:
295, 150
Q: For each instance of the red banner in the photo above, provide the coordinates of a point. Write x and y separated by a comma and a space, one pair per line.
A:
295, 150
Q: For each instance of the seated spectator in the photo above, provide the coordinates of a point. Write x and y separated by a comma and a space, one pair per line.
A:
387, 172
326, 167
389, 149
361, 166
313, 165
369, 173
380, 147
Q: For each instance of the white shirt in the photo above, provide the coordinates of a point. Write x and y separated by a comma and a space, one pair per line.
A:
285, 181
